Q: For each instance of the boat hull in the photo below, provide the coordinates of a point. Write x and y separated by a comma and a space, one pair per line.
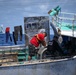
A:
58, 67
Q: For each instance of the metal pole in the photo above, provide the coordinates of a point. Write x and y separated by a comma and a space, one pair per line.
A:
73, 29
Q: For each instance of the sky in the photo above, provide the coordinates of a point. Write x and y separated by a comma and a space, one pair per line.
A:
12, 12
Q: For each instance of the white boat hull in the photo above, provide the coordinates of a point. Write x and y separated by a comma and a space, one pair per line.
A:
69, 33
48, 67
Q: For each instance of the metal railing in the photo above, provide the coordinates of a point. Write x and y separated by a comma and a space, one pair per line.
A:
63, 17
12, 48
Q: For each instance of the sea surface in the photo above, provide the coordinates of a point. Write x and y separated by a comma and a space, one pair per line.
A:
10, 43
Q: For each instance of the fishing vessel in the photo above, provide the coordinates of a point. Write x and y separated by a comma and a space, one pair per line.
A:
14, 58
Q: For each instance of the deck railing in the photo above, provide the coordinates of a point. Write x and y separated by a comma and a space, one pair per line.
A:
65, 19
12, 48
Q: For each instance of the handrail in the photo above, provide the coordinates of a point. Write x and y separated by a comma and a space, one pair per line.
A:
59, 18
68, 18
65, 18
68, 13
15, 47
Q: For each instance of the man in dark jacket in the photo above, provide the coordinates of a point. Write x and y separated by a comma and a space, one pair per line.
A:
55, 47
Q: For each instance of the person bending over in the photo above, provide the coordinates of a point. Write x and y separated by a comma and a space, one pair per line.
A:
35, 42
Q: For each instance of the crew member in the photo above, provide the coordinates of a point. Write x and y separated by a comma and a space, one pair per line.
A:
35, 42
7, 31
56, 46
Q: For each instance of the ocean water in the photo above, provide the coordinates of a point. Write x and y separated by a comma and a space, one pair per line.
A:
10, 43
23, 41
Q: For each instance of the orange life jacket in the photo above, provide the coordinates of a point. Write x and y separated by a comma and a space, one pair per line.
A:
38, 39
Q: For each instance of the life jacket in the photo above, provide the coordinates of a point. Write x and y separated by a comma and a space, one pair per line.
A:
38, 39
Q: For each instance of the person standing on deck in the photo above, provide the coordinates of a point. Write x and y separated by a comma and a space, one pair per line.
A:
56, 47
7, 31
